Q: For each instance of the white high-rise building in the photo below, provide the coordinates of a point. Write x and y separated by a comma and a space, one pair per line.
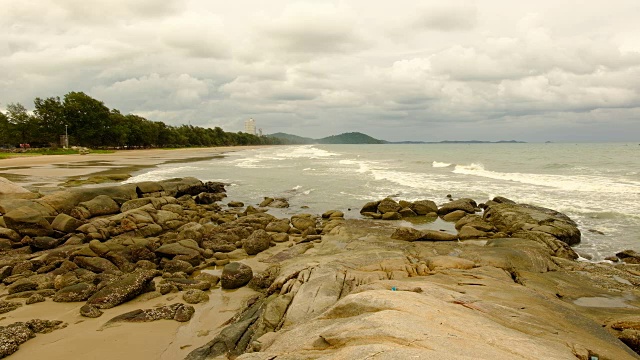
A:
250, 126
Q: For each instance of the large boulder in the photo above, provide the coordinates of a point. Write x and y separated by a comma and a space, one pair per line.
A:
424, 207
182, 247
76, 292
629, 256
95, 264
406, 234
467, 205
65, 223
7, 187
98, 206
388, 205
9, 234
370, 207
257, 242
235, 275
433, 235
122, 290
513, 218
303, 221
28, 221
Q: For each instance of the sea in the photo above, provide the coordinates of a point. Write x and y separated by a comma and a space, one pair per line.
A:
595, 184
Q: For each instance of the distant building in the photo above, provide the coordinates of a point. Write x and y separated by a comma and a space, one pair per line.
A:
250, 127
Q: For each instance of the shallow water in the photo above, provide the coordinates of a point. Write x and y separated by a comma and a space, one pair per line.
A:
597, 185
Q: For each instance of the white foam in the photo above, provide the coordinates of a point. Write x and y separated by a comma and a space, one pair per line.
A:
161, 174
437, 164
305, 151
363, 166
582, 183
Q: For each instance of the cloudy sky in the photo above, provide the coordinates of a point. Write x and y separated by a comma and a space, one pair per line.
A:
397, 70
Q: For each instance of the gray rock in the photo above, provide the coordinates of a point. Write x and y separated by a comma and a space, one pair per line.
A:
22, 285
391, 215
454, 215
100, 205
406, 212
303, 221
424, 207
629, 256
235, 275
370, 207
195, 296
467, 205
279, 226
174, 266
388, 205
27, 221
467, 232
122, 290
95, 264
178, 312
6, 306
35, 298
76, 292
44, 242
510, 218
406, 234
9, 234
257, 242
433, 235
66, 223
90, 311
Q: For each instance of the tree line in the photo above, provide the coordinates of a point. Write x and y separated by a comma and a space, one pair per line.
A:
90, 123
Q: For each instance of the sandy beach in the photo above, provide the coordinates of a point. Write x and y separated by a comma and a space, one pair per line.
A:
51, 170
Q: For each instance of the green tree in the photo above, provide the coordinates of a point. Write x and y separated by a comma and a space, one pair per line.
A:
6, 131
24, 125
88, 119
49, 117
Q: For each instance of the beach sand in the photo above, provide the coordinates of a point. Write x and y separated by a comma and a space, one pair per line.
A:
44, 171
85, 338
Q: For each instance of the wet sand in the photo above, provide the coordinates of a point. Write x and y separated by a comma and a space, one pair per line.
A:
86, 338
52, 170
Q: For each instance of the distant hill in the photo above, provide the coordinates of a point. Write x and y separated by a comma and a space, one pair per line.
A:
293, 139
360, 138
345, 138
350, 138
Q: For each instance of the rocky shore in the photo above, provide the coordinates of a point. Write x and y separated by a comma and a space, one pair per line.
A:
173, 269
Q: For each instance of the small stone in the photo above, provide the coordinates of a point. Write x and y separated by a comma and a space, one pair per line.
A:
184, 313
90, 311
35, 298
6, 306
195, 296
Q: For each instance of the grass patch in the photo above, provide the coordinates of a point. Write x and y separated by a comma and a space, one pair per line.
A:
38, 152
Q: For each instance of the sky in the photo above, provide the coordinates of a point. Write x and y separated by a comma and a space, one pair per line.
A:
397, 70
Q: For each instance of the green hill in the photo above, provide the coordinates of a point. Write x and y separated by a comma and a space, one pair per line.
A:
346, 138
350, 138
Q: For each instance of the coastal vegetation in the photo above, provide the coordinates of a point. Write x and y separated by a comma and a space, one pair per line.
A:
90, 123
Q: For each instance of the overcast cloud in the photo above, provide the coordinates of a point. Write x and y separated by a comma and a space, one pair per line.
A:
400, 70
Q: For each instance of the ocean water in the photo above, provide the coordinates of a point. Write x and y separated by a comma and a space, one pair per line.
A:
597, 185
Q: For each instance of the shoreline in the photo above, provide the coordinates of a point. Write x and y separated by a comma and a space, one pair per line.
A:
45, 171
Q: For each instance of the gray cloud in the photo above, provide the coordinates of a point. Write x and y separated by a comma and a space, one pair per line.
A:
494, 70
